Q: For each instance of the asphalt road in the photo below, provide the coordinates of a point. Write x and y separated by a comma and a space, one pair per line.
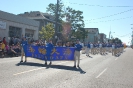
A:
96, 72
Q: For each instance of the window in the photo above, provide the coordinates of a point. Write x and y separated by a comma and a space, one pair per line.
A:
14, 31
29, 35
38, 14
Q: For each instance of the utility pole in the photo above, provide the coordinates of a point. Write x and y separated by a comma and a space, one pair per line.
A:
56, 24
132, 37
110, 32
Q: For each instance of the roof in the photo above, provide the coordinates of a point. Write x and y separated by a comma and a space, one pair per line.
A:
19, 19
37, 14
92, 30
102, 34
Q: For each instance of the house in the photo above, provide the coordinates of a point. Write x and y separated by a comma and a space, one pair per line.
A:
43, 18
12, 25
93, 35
102, 38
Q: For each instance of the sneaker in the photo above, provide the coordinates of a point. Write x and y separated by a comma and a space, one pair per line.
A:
25, 61
21, 61
50, 63
77, 65
74, 66
45, 63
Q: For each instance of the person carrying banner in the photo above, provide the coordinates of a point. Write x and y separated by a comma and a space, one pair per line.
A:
77, 53
23, 43
49, 46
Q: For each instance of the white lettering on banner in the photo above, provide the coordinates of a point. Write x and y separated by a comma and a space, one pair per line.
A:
2, 25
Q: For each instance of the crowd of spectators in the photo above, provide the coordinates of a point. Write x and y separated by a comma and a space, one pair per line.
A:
13, 47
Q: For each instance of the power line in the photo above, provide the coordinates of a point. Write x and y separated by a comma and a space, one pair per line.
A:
98, 5
112, 20
111, 15
129, 34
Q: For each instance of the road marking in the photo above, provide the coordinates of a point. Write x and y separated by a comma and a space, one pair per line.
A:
116, 58
28, 71
101, 73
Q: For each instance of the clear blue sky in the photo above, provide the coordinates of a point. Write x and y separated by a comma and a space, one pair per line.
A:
120, 27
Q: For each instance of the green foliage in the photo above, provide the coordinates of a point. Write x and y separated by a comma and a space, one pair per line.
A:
47, 31
116, 40
81, 33
74, 17
52, 8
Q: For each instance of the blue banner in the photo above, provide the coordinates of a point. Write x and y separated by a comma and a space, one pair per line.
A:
45, 53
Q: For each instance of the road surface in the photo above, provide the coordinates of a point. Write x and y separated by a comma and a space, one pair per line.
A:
95, 72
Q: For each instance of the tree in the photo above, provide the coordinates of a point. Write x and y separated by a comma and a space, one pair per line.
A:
84, 33
81, 34
52, 8
116, 40
47, 31
74, 17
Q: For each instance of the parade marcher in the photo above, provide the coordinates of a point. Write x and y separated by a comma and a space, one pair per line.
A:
104, 48
100, 47
23, 43
77, 54
94, 48
91, 47
49, 46
110, 47
88, 49
97, 48
113, 49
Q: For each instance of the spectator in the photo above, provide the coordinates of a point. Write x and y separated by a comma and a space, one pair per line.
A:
11, 52
4, 41
2, 48
0, 40
67, 44
11, 41
59, 43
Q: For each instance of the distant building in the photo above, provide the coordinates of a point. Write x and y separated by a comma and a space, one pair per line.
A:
14, 26
93, 35
102, 37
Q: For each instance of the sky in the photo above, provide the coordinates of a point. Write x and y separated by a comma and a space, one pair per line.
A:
106, 15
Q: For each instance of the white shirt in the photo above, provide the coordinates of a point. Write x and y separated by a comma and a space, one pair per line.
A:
113, 46
91, 45
82, 44
100, 45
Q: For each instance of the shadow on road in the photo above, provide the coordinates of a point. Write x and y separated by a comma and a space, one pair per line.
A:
53, 66
30, 64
